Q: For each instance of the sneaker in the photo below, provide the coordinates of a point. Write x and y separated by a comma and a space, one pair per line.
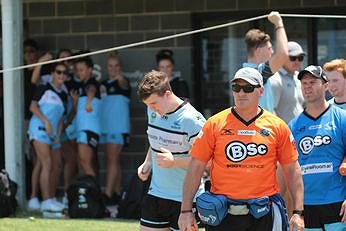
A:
65, 201
47, 214
34, 204
51, 205
57, 203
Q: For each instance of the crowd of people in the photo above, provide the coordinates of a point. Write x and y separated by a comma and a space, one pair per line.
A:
280, 134
281, 144
69, 114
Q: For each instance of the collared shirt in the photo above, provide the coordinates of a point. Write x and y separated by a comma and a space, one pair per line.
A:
287, 95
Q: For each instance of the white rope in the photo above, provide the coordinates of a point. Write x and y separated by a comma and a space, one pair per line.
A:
166, 38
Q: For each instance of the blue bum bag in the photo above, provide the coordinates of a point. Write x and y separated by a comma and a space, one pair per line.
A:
212, 208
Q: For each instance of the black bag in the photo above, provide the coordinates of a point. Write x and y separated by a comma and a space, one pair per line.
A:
131, 198
8, 191
85, 198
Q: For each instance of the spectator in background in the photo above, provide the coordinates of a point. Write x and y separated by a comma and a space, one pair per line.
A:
69, 148
45, 128
31, 55
287, 94
320, 133
336, 72
115, 121
288, 99
165, 63
260, 55
88, 116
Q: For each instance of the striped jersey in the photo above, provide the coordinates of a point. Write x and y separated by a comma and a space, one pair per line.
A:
175, 131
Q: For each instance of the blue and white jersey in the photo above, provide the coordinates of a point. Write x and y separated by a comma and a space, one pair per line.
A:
176, 132
321, 143
52, 104
115, 113
340, 105
266, 101
89, 121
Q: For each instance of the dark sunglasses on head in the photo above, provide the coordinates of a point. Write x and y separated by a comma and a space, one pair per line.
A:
294, 58
59, 72
248, 88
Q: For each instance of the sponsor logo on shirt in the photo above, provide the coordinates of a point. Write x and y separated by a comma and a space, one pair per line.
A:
227, 131
264, 132
317, 168
176, 125
330, 126
246, 132
237, 151
307, 143
313, 127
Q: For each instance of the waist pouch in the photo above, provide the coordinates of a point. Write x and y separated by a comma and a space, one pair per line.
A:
259, 207
212, 208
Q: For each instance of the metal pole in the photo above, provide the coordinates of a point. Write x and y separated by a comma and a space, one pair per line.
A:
12, 33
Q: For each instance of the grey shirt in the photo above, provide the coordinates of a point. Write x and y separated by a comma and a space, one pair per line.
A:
288, 97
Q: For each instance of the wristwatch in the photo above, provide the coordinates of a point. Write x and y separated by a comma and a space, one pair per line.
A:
298, 212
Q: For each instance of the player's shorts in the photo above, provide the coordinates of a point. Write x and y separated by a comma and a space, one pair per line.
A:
244, 222
88, 137
117, 138
39, 134
63, 137
317, 216
161, 213
71, 132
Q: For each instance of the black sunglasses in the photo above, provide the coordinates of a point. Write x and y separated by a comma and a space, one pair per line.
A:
248, 88
294, 58
59, 72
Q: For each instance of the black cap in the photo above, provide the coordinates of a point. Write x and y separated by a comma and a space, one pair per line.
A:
316, 71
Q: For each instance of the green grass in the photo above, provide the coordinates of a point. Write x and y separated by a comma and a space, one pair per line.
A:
34, 222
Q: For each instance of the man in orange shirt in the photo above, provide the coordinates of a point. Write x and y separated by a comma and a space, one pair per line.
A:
244, 144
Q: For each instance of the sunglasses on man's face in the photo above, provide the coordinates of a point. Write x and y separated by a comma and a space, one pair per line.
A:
248, 88
294, 58
59, 72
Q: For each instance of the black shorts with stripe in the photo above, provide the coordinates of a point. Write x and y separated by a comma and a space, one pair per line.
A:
316, 216
160, 213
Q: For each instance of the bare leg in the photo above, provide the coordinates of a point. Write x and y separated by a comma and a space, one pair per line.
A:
69, 154
113, 169
56, 170
86, 159
35, 176
43, 154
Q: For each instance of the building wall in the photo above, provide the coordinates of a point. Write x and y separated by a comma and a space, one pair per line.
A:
100, 24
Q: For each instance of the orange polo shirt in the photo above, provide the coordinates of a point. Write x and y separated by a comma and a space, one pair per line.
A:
244, 154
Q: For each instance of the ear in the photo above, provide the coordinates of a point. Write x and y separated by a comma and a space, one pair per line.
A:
261, 91
168, 92
326, 86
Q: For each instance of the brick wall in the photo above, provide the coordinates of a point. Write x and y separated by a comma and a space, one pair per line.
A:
100, 24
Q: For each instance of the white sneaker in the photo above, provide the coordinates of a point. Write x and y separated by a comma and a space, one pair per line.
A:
34, 204
50, 205
57, 203
65, 201
47, 214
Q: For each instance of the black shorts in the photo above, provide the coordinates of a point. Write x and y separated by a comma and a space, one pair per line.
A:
88, 137
316, 216
160, 213
244, 223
